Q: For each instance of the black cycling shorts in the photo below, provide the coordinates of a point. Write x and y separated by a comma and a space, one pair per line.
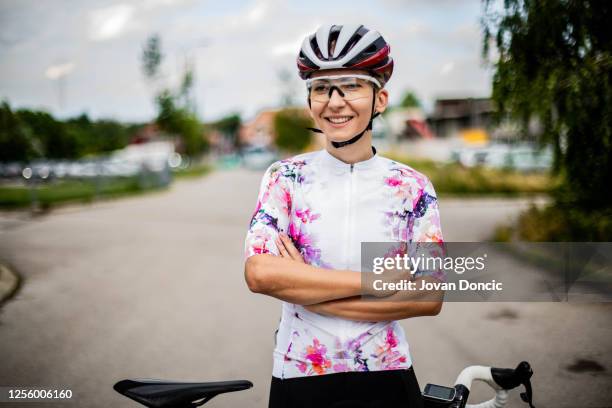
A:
373, 389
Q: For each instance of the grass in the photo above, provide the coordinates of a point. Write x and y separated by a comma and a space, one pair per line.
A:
49, 195
192, 172
80, 191
455, 179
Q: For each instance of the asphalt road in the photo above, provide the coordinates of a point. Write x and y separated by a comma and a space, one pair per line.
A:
152, 287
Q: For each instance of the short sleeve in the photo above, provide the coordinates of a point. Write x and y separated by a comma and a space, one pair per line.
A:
271, 214
426, 231
425, 218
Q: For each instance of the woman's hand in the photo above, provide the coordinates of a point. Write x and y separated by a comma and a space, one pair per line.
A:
287, 249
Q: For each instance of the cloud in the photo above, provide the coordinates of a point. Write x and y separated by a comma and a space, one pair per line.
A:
417, 28
292, 47
256, 13
287, 48
447, 68
54, 72
419, 5
110, 22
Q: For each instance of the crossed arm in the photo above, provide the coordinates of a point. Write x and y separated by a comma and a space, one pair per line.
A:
324, 291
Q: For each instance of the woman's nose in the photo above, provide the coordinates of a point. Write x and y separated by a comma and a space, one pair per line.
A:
335, 100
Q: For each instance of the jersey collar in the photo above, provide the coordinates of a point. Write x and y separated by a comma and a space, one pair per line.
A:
338, 166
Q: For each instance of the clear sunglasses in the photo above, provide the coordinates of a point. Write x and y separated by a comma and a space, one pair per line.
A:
349, 87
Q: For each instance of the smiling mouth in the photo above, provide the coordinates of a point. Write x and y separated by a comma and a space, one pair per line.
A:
339, 120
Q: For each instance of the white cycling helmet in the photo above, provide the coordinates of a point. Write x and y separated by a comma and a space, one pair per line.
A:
349, 46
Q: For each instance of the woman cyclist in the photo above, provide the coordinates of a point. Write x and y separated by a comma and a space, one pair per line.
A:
314, 210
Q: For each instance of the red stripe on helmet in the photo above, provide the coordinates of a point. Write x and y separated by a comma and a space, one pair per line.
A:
374, 59
303, 67
388, 66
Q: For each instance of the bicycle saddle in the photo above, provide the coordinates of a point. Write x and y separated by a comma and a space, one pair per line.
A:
169, 394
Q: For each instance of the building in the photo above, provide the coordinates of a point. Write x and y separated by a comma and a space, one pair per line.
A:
407, 124
452, 116
260, 130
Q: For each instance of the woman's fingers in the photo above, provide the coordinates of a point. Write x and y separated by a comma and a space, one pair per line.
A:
293, 252
281, 248
287, 249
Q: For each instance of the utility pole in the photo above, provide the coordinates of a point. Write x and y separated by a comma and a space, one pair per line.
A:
58, 73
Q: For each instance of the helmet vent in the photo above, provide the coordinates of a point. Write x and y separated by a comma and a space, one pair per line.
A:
315, 47
333, 39
354, 40
371, 49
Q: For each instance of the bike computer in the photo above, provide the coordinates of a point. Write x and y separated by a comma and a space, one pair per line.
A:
439, 393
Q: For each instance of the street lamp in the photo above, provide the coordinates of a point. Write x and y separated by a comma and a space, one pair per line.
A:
58, 73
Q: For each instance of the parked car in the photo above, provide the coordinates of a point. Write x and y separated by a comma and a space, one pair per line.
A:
258, 157
10, 170
527, 158
523, 158
119, 168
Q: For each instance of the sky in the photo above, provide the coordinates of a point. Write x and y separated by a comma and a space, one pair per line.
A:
83, 56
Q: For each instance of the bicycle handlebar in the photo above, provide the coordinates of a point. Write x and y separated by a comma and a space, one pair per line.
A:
499, 401
500, 379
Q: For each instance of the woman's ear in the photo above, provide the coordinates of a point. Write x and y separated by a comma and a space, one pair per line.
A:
309, 107
310, 113
382, 100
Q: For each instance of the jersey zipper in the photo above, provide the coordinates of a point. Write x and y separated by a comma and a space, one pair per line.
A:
352, 212
349, 235
348, 217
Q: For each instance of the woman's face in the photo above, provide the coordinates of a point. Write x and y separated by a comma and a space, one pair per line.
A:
358, 112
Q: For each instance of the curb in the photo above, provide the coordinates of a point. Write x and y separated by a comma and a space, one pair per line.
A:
9, 281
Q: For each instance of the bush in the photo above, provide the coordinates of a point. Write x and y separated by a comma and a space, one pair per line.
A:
564, 224
454, 178
291, 130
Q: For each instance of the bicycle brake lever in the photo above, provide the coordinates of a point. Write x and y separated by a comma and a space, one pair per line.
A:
527, 372
509, 378
527, 396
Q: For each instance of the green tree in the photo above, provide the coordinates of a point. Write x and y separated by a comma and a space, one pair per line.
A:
554, 62
80, 129
15, 137
151, 57
110, 135
95, 137
229, 127
410, 100
186, 87
182, 122
49, 134
291, 130
34, 134
175, 111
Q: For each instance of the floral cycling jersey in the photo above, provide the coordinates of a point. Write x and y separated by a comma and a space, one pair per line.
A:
328, 208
